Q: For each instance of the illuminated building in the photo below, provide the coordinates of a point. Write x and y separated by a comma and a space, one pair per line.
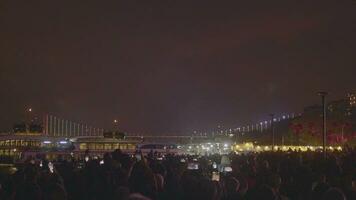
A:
340, 106
352, 99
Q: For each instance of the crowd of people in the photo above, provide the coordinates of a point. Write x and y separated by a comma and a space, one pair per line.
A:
252, 176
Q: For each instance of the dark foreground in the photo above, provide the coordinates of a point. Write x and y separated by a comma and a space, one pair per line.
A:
268, 176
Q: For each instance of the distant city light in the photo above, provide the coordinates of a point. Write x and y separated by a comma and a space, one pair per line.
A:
47, 142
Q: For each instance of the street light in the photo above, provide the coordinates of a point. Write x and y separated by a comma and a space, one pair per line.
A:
272, 129
323, 95
28, 118
116, 124
28, 115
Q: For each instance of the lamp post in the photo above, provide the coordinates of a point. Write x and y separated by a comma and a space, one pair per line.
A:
29, 111
28, 120
323, 95
272, 129
116, 125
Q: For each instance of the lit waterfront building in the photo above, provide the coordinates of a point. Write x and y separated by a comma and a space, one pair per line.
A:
352, 99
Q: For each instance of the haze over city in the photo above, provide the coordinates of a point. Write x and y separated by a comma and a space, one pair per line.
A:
173, 67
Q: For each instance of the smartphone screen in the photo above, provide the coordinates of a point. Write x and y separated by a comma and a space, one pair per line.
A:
215, 176
138, 157
50, 167
215, 165
193, 166
227, 169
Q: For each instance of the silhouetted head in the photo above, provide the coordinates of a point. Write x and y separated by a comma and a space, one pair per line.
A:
28, 191
274, 181
232, 185
334, 194
142, 180
55, 192
264, 192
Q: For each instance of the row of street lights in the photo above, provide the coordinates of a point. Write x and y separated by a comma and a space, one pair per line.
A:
321, 94
323, 102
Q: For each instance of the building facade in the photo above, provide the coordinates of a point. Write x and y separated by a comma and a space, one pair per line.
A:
352, 99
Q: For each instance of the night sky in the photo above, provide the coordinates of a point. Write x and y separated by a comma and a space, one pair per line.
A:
173, 66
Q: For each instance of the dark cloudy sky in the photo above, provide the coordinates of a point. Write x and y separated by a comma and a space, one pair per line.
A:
173, 66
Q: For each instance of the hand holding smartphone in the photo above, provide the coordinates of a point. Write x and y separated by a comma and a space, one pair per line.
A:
51, 167
138, 156
215, 176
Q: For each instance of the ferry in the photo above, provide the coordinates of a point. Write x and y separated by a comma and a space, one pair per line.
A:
160, 148
22, 146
